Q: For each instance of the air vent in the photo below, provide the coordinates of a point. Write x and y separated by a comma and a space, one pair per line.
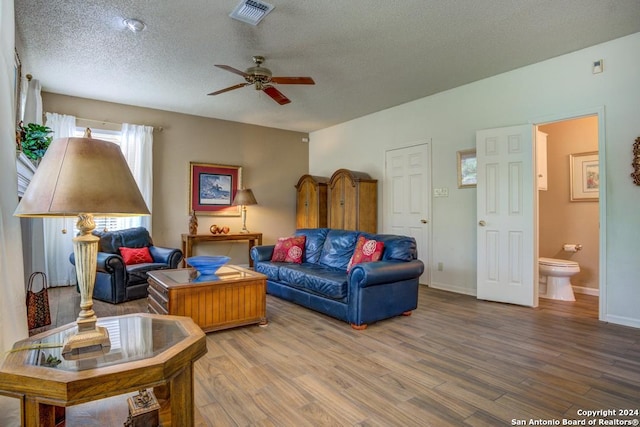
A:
251, 11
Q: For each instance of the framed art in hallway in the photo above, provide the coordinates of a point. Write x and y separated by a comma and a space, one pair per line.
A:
212, 189
584, 172
467, 168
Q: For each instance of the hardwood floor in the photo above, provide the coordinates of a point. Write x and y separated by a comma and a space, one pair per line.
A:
456, 361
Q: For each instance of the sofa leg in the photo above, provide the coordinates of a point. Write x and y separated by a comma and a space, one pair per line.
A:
407, 313
359, 327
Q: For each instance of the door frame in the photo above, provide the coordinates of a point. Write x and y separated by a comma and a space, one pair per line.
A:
560, 117
385, 195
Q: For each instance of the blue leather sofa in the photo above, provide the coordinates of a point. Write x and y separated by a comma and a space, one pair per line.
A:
117, 282
367, 293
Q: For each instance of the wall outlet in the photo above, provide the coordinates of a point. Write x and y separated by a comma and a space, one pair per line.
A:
440, 266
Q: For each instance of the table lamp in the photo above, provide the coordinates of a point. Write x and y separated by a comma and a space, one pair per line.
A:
243, 198
83, 177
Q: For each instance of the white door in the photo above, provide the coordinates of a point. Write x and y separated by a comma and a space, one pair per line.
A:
507, 263
407, 187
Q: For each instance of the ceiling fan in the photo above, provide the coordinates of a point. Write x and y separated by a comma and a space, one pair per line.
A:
262, 78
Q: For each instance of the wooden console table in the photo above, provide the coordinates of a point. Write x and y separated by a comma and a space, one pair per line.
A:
188, 240
152, 351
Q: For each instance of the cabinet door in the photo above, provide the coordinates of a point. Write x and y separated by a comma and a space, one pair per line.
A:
307, 205
336, 207
541, 159
350, 205
302, 205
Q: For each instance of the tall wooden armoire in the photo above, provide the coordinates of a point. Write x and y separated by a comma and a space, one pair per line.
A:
311, 202
353, 201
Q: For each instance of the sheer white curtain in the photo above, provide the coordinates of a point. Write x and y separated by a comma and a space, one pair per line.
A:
32, 102
137, 146
58, 246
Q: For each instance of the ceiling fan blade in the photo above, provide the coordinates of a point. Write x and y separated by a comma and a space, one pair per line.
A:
276, 95
293, 80
233, 70
238, 86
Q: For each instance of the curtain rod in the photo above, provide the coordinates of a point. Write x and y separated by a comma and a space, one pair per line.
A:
105, 122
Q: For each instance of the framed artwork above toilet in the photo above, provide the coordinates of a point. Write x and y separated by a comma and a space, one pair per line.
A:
584, 171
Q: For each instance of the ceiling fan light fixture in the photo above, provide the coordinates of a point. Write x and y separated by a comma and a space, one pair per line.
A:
251, 11
134, 25
260, 77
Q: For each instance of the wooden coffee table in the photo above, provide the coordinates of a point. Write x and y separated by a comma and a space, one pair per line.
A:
234, 296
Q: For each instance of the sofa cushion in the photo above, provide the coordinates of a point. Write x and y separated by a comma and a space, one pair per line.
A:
314, 242
323, 280
289, 249
367, 250
396, 248
338, 248
269, 269
132, 256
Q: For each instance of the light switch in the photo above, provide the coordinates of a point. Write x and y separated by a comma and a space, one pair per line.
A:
441, 192
598, 66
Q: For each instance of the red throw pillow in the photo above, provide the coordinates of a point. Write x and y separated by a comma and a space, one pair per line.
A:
367, 250
135, 255
289, 249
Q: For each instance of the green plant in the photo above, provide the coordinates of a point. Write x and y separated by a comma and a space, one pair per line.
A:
36, 140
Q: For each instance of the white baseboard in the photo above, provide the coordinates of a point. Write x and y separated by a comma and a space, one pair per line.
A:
452, 288
472, 292
624, 321
586, 291
619, 320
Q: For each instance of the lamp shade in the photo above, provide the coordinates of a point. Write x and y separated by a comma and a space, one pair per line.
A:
244, 197
82, 175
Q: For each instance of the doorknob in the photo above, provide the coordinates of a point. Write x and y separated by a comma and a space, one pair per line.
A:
424, 221
481, 223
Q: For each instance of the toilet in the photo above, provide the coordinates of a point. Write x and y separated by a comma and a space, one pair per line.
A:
556, 273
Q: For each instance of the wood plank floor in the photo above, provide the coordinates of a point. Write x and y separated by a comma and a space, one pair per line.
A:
456, 361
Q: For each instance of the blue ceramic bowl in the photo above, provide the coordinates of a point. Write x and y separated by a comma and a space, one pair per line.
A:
207, 264
206, 278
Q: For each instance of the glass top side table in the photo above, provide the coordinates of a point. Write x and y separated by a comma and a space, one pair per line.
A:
132, 338
147, 350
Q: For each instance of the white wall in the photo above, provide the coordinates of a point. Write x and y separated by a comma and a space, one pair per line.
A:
272, 161
13, 317
560, 86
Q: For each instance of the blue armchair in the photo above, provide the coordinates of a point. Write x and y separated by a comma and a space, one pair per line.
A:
117, 282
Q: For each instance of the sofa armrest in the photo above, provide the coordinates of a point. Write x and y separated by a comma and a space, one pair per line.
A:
169, 256
106, 262
262, 253
383, 272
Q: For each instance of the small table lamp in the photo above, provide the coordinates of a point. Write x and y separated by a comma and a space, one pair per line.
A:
83, 177
243, 198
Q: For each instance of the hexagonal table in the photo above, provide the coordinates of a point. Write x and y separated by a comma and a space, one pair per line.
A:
146, 351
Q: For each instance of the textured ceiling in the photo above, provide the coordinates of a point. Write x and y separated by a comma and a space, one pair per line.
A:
364, 55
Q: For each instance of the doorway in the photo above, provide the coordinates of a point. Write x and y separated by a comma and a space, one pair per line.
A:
565, 218
502, 270
407, 187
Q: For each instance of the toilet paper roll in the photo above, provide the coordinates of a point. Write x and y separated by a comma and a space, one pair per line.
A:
571, 248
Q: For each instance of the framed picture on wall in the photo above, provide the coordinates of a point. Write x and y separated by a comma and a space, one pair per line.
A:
212, 189
467, 168
584, 171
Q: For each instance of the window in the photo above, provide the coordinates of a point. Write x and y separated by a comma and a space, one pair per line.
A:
103, 223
